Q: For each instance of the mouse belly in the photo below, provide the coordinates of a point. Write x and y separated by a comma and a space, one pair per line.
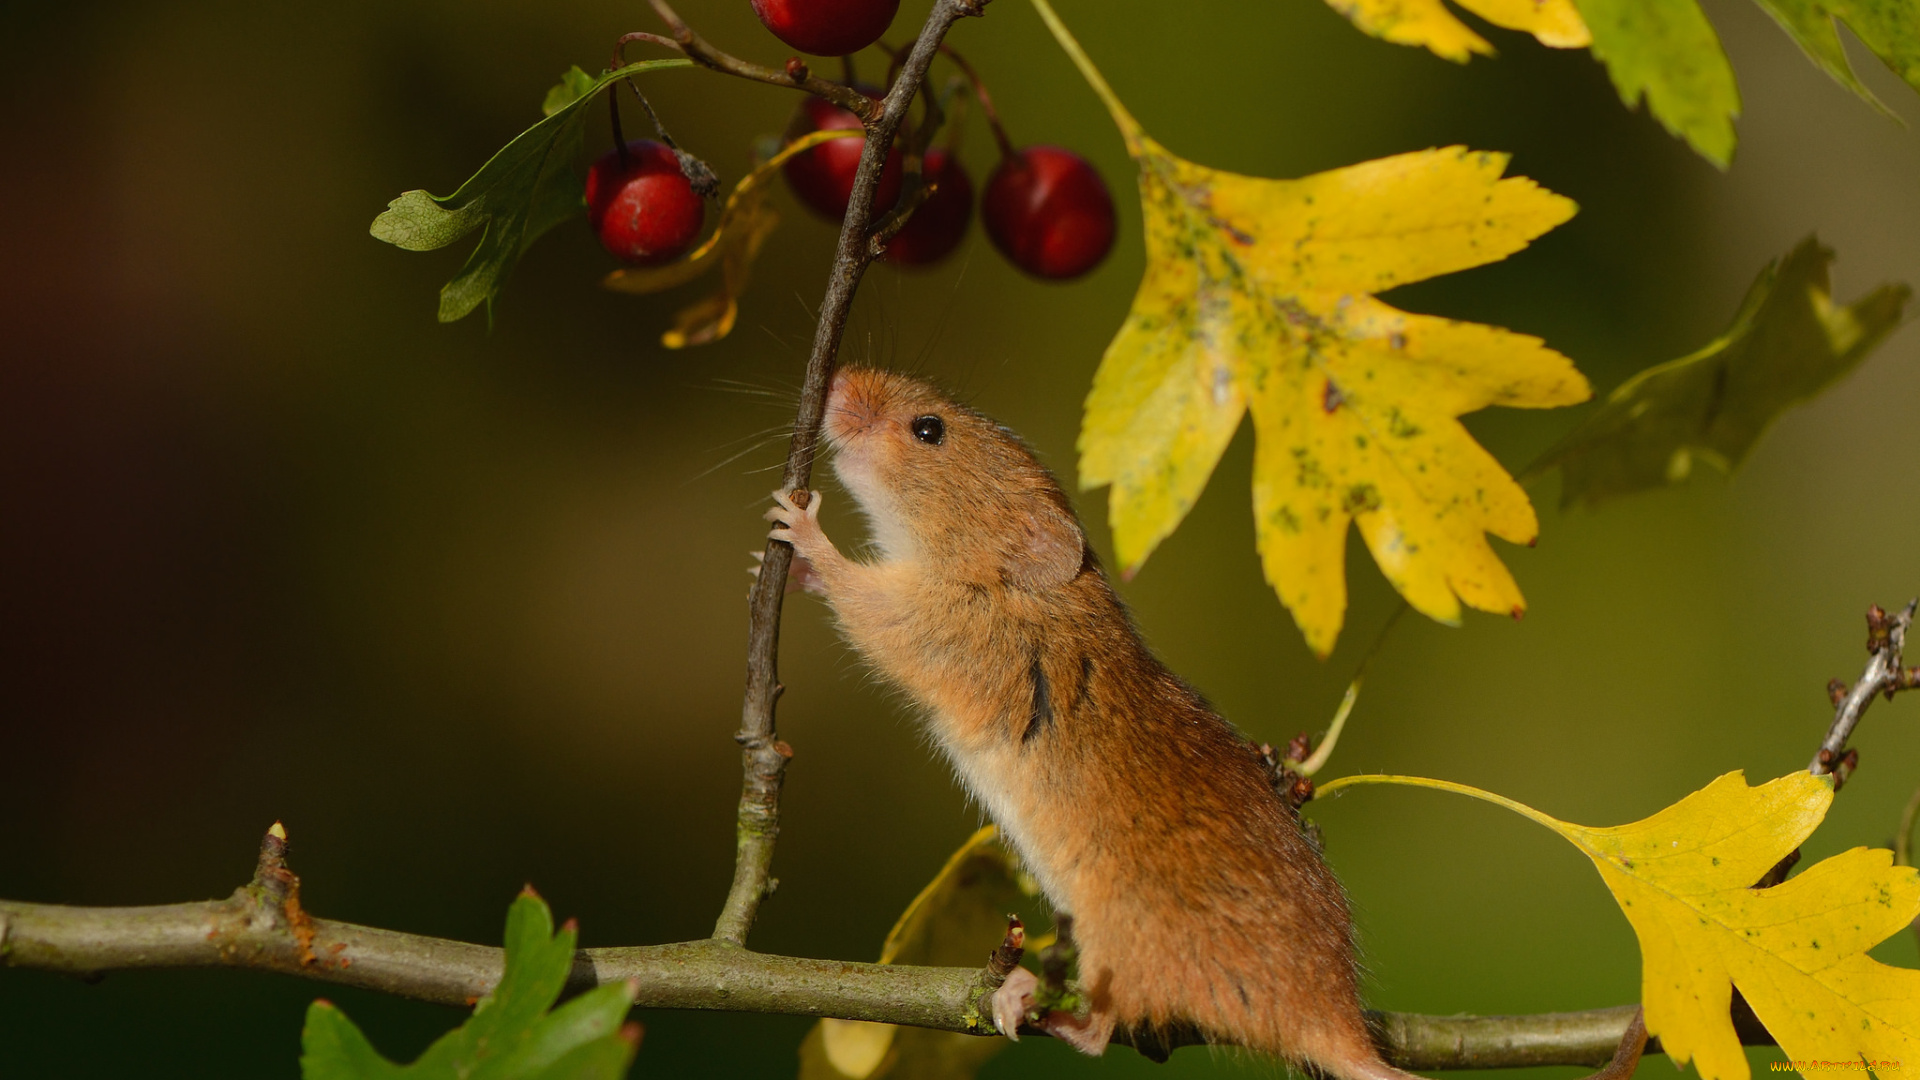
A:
992, 775
1195, 898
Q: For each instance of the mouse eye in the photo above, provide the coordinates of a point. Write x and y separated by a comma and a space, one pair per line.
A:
929, 429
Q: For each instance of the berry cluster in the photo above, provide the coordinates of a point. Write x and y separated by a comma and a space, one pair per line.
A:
1044, 207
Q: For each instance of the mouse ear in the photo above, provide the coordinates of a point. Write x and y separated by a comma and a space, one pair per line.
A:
1050, 551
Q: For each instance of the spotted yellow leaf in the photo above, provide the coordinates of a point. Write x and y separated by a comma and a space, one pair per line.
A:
1428, 23
1797, 951
1258, 296
745, 223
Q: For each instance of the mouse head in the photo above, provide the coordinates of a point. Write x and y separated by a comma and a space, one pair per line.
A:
944, 486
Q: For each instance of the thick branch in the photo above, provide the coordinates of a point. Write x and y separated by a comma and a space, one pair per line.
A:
1886, 638
764, 756
250, 930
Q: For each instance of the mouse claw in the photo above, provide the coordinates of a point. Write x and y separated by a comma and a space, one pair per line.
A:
1014, 1003
786, 512
801, 576
1012, 1000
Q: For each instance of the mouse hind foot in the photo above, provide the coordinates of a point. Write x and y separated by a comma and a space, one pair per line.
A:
1014, 1005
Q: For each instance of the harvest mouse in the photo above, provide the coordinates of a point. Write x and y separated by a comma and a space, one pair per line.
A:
1195, 895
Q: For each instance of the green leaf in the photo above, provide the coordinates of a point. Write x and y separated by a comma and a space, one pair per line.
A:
1788, 342
525, 189
333, 1048
511, 1035
573, 86
1667, 51
1891, 28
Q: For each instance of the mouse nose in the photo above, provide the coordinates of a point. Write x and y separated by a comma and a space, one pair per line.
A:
841, 407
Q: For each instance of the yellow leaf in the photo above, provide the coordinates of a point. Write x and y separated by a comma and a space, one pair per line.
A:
956, 920
1428, 23
1258, 295
1797, 951
745, 223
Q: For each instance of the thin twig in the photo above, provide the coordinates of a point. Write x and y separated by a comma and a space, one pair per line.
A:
697, 49
764, 756
1626, 1056
1886, 638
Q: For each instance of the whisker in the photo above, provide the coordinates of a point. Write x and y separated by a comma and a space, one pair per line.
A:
730, 459
758, 437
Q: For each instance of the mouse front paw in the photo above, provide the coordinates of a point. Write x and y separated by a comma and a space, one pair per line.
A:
800, 526
801, 576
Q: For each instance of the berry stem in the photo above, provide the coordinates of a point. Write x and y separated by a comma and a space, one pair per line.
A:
651, 115
698, 173
986, 100
619, 136
696, 48
620, 46
953, 101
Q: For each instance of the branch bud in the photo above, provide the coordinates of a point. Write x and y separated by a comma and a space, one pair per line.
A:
1878, 627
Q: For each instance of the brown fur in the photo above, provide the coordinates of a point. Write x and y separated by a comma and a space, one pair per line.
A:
1195, 895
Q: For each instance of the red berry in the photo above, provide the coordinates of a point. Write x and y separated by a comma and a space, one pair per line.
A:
1049, 212
644, 210
940, 223
823, 176
827, 27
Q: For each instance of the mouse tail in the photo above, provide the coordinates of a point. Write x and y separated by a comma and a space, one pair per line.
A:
1348, 1053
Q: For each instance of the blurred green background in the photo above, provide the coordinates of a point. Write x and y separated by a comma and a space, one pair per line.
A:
465, 608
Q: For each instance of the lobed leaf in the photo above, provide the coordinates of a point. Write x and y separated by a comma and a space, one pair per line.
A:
1797, 951
1891, 28
1667, 51
1664, 51
1788, 342
1428, 23
1258, 297
524, 190
511, 1035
